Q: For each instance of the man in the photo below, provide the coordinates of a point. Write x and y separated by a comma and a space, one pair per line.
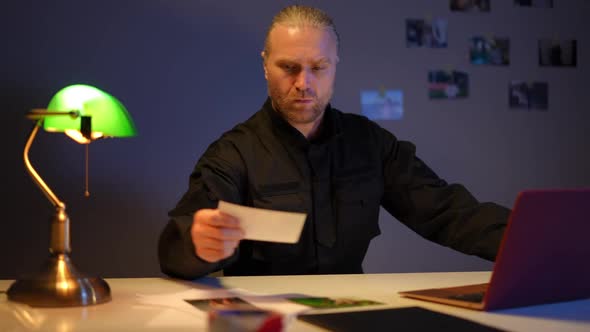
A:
299, 154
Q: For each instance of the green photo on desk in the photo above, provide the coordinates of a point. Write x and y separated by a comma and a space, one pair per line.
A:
330, 303
221, 303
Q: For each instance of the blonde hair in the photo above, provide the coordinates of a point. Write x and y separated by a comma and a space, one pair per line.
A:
299, 16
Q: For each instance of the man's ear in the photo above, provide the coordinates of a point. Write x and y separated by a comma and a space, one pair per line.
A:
263, 55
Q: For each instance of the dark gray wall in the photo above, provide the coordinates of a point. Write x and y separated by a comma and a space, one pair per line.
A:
189, 70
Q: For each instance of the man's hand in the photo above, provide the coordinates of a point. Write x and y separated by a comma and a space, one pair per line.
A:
216, 235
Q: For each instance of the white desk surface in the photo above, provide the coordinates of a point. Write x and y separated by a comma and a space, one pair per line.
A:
126, 313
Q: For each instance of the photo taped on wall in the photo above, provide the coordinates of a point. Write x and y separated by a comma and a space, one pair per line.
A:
448, 84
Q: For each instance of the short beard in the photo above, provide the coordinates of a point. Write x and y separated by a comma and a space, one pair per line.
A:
281, 105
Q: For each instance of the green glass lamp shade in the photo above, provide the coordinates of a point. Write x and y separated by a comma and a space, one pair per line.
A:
109, 118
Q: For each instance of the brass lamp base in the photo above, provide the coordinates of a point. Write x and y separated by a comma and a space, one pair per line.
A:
59, 284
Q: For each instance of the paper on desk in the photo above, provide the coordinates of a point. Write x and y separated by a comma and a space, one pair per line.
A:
176, 312
266, 225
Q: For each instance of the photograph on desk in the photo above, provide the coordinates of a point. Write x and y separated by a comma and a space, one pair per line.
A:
224, 320
331, 303
221, 303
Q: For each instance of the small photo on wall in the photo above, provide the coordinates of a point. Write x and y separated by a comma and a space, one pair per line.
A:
528, 96
382, 105
447, 84
470, 5
489, 51
426, 33
557, 53
534, 3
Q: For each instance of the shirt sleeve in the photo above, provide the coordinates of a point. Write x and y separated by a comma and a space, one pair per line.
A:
218, 175
447, 214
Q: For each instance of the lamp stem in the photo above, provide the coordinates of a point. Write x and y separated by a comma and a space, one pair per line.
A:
86, 191
34, 175
60, 223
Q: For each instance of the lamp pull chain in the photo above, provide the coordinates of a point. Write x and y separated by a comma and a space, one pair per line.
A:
86, 192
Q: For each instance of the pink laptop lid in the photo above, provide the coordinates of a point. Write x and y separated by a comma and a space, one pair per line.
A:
545, 252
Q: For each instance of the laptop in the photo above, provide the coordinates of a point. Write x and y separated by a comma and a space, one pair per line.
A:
544, 256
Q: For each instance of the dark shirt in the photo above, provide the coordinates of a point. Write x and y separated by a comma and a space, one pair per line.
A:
339, 179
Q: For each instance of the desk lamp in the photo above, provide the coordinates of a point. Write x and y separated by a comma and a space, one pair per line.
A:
84, 113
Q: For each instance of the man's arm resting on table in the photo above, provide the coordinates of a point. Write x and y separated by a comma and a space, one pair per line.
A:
447, 214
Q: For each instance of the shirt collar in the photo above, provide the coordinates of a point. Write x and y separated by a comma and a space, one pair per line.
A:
331, 126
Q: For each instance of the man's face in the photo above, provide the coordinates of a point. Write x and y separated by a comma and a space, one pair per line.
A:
300, 71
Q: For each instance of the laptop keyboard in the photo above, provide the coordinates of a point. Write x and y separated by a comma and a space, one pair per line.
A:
469, 297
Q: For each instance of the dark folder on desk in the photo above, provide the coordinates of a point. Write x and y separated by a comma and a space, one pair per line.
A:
544, 256
395, 319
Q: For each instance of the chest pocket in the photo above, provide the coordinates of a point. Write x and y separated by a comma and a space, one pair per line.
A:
356, 201
285, 196
281, 196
